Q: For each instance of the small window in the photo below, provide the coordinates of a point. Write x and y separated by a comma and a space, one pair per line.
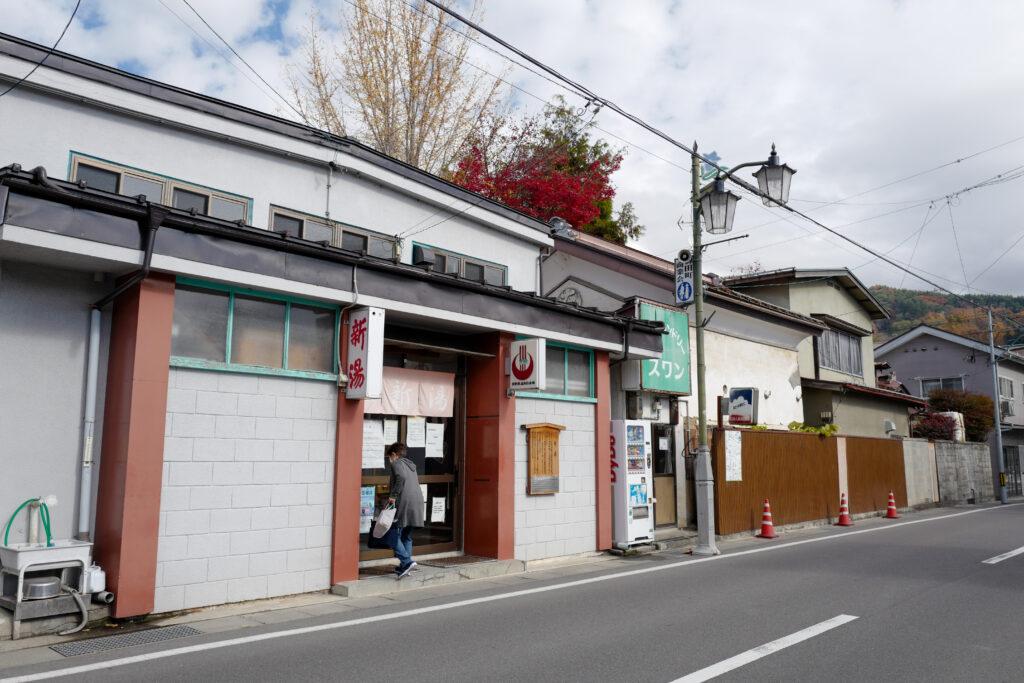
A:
554, 381
943, 383
568, 371
317, 229
257, 332
227, 210
381, 248
466, 267
133, 186
310, 338
189, 201
200, 326
1005, 388
287, 224
351, 241
577, 375
98, 178
840, 351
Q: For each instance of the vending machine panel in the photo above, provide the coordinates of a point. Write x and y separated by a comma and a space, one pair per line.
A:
632, 483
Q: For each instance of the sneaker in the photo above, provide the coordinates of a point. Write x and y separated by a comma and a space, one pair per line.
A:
409, 568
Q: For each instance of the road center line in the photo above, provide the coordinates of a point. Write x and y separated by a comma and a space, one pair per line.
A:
135, 659
753, 655
1004, 556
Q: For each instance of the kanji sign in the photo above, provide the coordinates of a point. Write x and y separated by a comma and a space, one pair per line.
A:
671, 372
684, 281
365, 359
528, 365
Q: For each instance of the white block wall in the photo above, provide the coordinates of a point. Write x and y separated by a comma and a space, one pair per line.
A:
245, 509
564, 523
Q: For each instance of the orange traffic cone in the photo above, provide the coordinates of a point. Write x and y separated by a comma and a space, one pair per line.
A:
891, 512
844, 512
767, 530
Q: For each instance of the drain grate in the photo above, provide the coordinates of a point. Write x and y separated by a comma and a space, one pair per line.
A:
152, 635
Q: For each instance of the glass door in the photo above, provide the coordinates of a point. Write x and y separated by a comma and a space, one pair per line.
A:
664, 475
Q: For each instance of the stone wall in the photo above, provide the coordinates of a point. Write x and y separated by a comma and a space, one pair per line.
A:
964, 471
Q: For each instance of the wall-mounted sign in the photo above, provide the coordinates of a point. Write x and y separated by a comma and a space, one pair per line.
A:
542, 457
365, 360
527, 371
743, 405
671, 372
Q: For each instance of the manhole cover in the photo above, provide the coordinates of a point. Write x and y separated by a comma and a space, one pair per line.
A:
152, 635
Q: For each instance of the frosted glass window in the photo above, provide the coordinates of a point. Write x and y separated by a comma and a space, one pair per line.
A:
494, 276
311, 339
474, 271
183, 199
287, 224
351, 241
257, 333
555, 380
578, 373
227, 210
381, 248
200, 325
133, 186
318, 232
98, 178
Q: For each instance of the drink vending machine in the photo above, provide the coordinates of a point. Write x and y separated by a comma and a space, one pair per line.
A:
632, 483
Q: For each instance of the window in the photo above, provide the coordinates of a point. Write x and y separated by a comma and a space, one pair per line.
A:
341, 235
569, 371
227, 328
477, 270
1005, 388
131, 182
930, 385
840, 351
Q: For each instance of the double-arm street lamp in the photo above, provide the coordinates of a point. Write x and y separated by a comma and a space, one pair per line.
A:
718, 206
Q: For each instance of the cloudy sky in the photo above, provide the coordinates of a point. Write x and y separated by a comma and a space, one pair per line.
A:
888, 110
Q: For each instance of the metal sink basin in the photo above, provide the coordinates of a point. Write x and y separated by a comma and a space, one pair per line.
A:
17, 556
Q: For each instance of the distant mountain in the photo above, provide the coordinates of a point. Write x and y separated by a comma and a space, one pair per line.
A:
910, 308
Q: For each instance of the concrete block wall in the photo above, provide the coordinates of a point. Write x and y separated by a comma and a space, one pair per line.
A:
245, 508
921, 474
961, 468
564, 523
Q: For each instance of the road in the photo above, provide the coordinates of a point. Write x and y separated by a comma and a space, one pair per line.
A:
906, 600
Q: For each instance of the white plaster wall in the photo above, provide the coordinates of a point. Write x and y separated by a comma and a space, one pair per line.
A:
564, 523
268, 178
919, 463
246, 503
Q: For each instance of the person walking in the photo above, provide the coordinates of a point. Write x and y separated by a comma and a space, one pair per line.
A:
405, 493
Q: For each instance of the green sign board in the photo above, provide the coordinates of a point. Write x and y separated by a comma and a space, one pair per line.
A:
671, 372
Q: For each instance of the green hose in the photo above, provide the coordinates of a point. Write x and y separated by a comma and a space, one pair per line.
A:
44, 514
7, 531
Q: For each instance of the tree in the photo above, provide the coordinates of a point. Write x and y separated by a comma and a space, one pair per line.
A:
977, 410
400, 81
548, 166
933, 426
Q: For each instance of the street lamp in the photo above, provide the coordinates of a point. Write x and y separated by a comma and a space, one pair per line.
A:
718, 206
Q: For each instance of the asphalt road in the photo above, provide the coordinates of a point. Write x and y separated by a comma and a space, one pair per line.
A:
907, 600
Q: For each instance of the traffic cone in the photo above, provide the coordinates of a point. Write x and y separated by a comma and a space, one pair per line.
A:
767, 530
844, 512
891, 512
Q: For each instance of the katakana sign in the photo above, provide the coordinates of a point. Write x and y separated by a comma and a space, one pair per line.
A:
365, 359
671, 372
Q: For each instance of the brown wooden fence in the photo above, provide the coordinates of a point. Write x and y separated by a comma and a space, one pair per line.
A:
798, 472
874, 466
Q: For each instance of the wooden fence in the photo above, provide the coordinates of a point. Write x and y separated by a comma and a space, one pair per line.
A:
801, 475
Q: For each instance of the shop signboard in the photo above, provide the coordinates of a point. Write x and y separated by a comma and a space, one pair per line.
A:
671, 372
528, 365
365, 359
743, 405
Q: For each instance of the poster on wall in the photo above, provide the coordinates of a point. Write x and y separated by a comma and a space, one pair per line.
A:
366, 501
390, 431
435, 440
734, 456
416, 432
373, 444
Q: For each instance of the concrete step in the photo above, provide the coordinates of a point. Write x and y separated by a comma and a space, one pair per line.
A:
424, 576
98, 614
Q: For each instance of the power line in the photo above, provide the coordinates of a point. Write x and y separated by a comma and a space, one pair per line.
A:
242, 59
48, 52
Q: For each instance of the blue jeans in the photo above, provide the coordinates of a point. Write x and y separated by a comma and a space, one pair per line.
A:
403, 546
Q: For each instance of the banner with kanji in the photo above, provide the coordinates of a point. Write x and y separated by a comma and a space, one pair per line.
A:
364, 337
415, 392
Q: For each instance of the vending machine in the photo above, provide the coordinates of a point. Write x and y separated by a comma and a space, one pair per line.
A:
632, 483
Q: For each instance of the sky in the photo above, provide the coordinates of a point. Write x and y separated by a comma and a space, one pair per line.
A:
888, 110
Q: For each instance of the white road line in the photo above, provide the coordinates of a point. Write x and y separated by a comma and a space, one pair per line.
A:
753, 655
1004, 556
98, 666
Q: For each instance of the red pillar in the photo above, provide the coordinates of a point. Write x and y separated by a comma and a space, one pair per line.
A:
348, 473
131, 464
490, 454
602, 454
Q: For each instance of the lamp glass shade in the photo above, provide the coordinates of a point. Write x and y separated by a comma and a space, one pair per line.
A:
719, 209
774, 180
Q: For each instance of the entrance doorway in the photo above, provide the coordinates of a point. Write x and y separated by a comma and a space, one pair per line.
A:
664, 475
438, 473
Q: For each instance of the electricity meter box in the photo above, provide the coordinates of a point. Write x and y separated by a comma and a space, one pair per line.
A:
632, 483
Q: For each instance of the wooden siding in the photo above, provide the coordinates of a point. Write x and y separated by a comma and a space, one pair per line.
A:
874, 466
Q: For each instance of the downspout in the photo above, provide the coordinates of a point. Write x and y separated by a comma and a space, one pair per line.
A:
625, 343
543, 256
154, 219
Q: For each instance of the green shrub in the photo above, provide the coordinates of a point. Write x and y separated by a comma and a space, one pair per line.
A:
977, 410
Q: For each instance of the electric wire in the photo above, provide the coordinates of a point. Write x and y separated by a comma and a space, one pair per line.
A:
48, 52
956, 242
242, 59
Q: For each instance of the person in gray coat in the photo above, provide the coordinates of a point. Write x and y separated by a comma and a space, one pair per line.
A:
407, 496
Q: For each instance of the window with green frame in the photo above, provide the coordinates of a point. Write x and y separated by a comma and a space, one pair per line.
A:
570, 371
226, 328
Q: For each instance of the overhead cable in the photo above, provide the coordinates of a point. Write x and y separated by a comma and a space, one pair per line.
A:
48, 52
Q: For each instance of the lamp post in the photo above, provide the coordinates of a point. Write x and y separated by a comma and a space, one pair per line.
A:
718, 206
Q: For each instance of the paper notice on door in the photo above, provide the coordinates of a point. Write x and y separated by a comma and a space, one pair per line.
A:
423, 490
734, 456
373, 444
416, 432
663, 443
435, 440
390, 431
437, 510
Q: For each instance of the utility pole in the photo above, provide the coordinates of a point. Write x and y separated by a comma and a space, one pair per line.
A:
702, 466
999, 418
